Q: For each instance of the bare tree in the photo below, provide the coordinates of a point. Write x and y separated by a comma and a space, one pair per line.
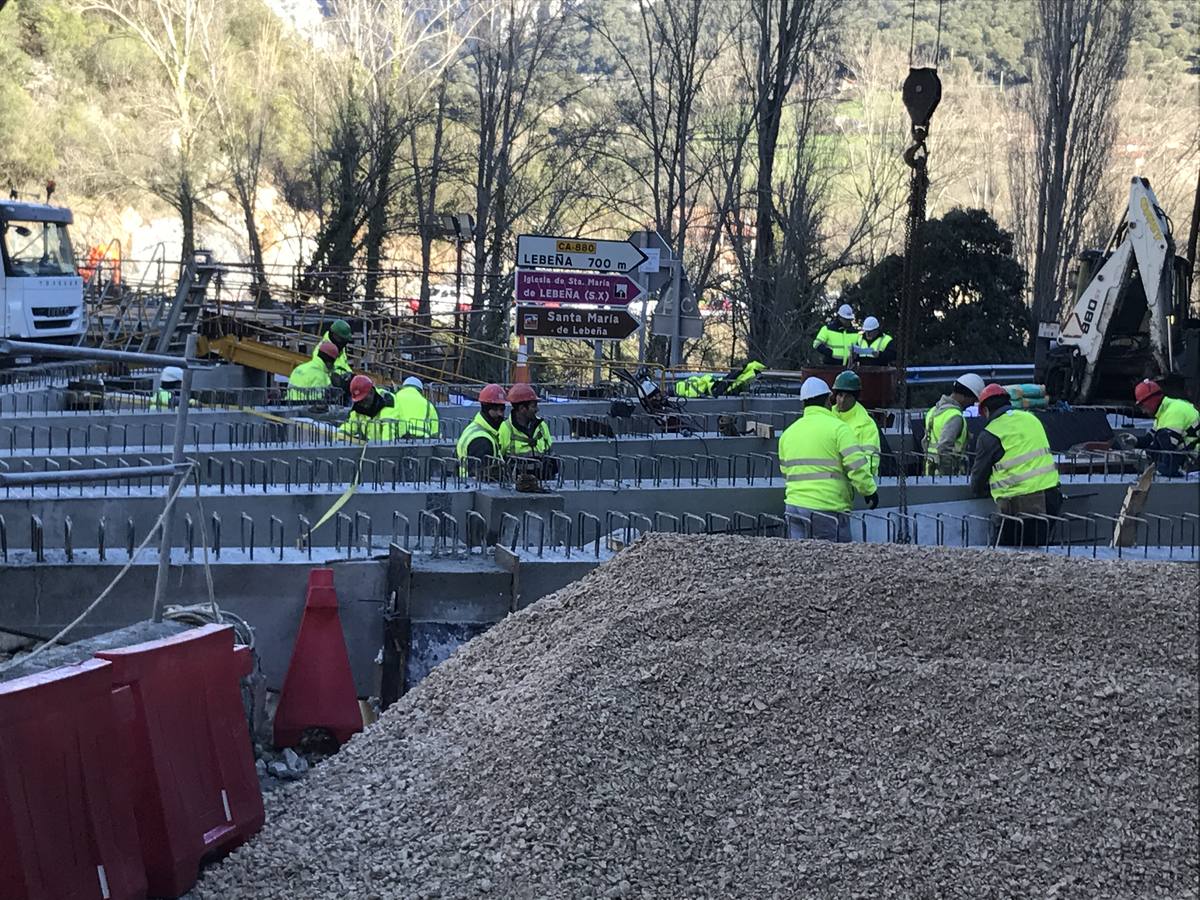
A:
172, 31
1071, 103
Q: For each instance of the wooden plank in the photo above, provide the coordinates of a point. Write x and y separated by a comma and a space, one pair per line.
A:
1125, 530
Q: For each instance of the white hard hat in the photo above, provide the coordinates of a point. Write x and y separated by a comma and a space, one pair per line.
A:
845, 312
414, 381
870, 323
172, 373
813, 387
972, 382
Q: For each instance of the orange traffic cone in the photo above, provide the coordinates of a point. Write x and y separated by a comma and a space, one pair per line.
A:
318, 690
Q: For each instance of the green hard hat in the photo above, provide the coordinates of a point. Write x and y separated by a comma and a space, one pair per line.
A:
340, 329
847, 381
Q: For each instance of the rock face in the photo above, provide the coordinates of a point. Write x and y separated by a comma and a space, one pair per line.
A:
726, 717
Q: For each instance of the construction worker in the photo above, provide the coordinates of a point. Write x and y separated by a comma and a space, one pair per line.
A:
374, 415
844, 398
945, 438
480, 440
823, 465
696, 386
524, 436
1014, 464
340, 335
1174, 440
309, 380
418, 416
170, 382
836, 337
874, 348
740, 382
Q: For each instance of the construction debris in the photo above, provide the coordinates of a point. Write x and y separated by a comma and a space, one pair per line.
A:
761, 718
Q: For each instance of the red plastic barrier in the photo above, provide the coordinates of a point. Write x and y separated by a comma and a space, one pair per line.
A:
318, 690
67, 828
188, 748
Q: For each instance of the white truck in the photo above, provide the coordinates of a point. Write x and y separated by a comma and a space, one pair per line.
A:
41, 291
1131, 317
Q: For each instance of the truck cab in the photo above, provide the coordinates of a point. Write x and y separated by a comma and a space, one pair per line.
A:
41, 291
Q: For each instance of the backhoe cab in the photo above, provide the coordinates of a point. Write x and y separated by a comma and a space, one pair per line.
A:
1131, 317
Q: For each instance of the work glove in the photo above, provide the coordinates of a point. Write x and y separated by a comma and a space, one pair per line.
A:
872, 500
1123, 440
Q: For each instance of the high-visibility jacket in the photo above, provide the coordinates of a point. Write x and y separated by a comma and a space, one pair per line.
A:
418, 417
866, 434
866, 348
385, 425
945, 460
479, 427
515, 442
1027, 465
746, 377
822, 463
1181, 417
163, 399
308, 381
838, 342
341, 364
695, 386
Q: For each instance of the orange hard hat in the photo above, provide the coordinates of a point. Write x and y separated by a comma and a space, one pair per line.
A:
1146, 390
493, 394
361, 387
329, 350
990, 391
521, 393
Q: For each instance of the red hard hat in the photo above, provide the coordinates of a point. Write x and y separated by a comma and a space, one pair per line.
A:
360, 387
493, 394
329, 349
992, 390
521, 393
1145, 390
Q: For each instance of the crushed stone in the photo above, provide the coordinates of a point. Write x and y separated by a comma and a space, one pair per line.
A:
749, 718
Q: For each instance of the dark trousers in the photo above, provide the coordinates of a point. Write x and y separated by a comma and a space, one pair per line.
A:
1028, 531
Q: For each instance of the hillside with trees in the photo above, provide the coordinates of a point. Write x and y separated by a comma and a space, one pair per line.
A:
761, 137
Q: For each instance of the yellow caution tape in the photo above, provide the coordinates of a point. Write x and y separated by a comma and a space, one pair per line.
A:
346, 494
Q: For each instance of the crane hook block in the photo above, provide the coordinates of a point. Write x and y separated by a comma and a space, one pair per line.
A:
922, 93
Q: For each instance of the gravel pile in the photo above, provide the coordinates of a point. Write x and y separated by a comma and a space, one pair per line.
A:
710, 717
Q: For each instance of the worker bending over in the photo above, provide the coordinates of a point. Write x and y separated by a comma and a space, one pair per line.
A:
846, 388
945, 438
874, 348
339, 335
1174, 441
1014, 464
836, 337
478, 449
525, 437
310, 380
823, 465
418, 415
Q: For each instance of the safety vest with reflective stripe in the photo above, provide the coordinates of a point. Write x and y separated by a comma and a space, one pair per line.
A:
695, 386
935, 423
838, 342
876, 346
477, 428
866, 434
419, 416
341, 364
383, 426
163, 399
515, 442
308, 380
822, 464
1027, 465
1181, 417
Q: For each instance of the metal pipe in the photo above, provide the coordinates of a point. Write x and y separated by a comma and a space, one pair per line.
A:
181, 414
74, 476
32, 348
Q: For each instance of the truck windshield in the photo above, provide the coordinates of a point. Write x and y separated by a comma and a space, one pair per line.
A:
37, 248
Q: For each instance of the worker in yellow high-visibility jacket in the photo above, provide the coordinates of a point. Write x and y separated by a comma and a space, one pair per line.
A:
822, 468
836, 337
846, 388
1174, 441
